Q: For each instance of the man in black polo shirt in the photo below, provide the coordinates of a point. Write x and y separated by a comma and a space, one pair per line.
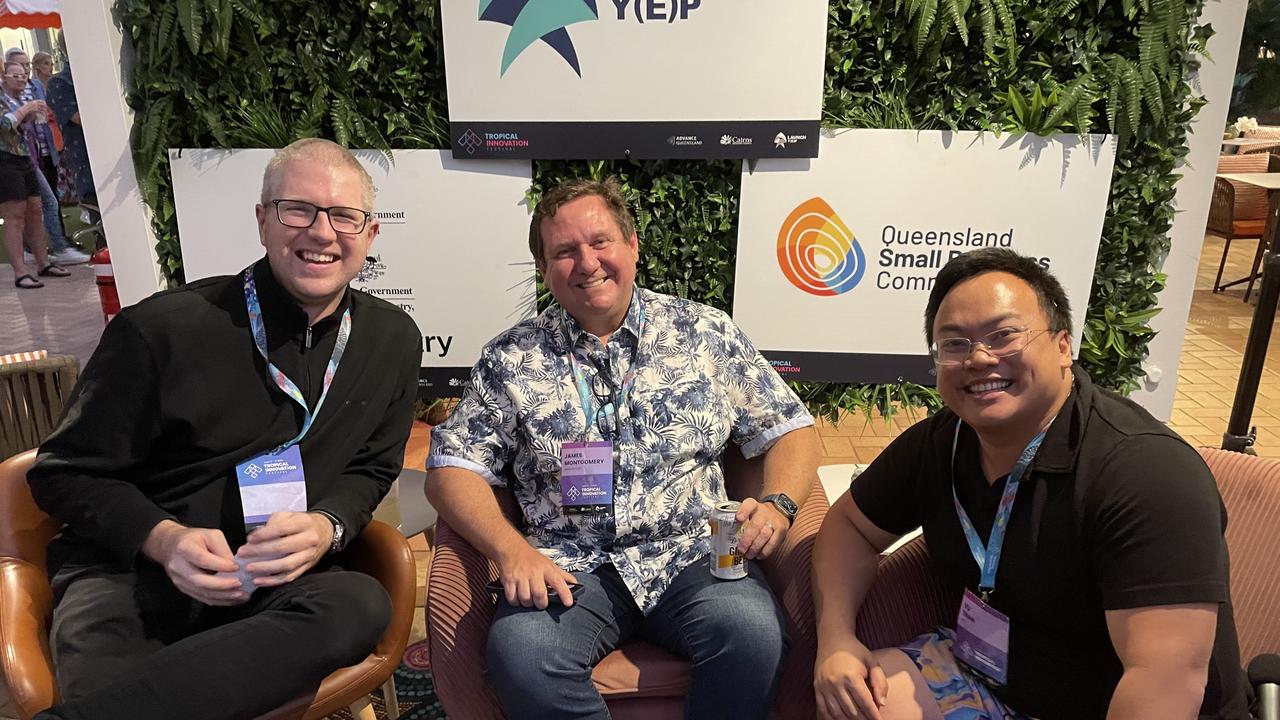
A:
1088, 537
226, 437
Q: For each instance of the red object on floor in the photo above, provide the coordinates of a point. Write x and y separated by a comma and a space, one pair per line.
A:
106, 279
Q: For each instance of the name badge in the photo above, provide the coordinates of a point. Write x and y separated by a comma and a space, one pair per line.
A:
982, 639
271, 483
586, 477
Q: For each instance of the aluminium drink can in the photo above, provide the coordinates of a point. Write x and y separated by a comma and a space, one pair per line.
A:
726, 562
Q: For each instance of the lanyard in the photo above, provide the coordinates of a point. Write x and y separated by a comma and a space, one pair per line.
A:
585, 396
988, 558
282, 381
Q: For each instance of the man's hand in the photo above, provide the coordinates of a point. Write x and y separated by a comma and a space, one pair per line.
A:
763, 530
193, 557
848, 683
290, 544
527, 575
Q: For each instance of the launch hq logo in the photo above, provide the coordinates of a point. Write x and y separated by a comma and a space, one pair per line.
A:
548, 20
817, 252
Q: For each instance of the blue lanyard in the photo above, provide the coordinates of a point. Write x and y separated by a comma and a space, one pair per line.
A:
988, 558
281, 380
585, 396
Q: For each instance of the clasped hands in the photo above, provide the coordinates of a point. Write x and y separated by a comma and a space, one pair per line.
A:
201, 565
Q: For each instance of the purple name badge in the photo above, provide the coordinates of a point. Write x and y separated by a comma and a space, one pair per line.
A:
586, 476
982, 639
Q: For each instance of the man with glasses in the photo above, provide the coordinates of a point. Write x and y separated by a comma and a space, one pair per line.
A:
224, 440
1084, 538
606, 417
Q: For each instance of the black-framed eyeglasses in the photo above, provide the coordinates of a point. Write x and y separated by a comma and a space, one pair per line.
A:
302, 214
1001, 343
604, 390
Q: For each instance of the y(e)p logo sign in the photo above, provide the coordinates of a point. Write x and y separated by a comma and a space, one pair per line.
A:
533, 20
817, 252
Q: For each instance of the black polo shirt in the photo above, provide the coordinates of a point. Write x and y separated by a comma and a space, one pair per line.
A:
1116, 512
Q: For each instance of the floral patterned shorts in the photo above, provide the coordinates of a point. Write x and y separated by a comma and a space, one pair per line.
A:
960, 694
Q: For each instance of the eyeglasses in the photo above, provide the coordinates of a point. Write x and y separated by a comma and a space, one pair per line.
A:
302, 214
607, 414
23, 76
1002, 343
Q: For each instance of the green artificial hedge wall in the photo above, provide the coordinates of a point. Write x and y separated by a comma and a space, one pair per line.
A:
261, 73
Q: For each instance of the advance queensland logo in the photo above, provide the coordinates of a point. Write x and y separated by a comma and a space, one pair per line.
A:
817, 252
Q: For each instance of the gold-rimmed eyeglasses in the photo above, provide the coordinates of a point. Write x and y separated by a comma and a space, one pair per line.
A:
1001, 343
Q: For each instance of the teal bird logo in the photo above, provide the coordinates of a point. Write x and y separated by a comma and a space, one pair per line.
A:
534, 20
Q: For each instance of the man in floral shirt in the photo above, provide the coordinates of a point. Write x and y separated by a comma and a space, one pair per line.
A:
606, 417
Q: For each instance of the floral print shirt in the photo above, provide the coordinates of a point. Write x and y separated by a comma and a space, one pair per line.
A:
698, 384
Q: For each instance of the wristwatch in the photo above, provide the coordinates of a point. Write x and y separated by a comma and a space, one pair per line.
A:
783, 503
338, 532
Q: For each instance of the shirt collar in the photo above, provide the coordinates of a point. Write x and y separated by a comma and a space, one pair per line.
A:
630, 323
1061, 446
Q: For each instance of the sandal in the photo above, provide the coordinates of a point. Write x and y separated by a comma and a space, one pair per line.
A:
54, 270
27, 282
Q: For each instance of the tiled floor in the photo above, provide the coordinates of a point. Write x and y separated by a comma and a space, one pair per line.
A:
62, 317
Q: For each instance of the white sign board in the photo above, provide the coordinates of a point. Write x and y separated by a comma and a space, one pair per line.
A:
836, 255
452, 252
634, 78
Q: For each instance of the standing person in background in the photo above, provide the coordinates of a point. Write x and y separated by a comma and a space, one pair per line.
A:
41, 72
19, 192
43, 153
61, 89
41, 69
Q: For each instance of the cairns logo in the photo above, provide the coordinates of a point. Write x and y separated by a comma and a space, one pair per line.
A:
372, 269
817, 252
534, 20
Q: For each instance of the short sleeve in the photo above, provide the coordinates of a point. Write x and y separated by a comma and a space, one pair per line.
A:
480, 433
1156, 530
887, 491
764, 407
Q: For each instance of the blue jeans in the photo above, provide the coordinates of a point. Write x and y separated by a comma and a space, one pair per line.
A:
733, 633
52, 217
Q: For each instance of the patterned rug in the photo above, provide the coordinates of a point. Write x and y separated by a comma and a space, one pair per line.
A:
414, 688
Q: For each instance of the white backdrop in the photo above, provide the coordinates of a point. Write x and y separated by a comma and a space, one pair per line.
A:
903, 203
453, 250
707, 73
725, 59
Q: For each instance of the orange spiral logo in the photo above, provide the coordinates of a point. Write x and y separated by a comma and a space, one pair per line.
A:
817, 252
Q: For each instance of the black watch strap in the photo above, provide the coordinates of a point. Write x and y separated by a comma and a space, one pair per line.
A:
783, 503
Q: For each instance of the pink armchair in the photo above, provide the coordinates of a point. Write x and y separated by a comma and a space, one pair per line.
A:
639, 680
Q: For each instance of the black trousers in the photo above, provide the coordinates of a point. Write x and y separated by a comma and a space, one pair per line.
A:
130, 645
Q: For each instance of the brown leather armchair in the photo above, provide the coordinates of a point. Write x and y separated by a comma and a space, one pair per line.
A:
26, 605
908, 599
639, 680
